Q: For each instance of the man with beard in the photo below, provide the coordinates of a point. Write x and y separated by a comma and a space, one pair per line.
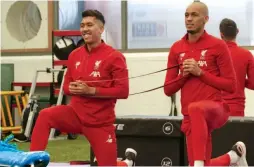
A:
206, 69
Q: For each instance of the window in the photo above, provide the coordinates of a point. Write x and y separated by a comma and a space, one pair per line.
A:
158, 24
240, 11
70, 17
69, 14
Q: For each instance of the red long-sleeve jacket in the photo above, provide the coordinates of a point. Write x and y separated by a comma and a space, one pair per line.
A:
243, 62
101, 63
213, 58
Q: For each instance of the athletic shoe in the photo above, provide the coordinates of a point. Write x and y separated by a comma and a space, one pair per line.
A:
11, 156
240, 150
131, 154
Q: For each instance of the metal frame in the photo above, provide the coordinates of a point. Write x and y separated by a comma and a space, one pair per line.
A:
32, 101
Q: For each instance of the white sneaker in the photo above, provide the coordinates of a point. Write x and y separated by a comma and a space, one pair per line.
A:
240, 150
131, 155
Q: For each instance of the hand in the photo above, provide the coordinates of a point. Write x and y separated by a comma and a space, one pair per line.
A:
191, 66
81, 88
185, 73
74, 88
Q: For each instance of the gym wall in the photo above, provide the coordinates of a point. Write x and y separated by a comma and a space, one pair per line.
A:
152, 103
24, 24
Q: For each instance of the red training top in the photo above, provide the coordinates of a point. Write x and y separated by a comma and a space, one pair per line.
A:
214, 59
101, 63
243, 62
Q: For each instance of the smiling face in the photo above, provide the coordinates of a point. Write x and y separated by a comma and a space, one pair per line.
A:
196, 16
91, 29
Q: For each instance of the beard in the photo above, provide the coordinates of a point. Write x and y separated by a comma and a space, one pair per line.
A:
192, 32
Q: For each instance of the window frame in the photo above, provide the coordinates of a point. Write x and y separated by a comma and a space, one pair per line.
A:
124, 23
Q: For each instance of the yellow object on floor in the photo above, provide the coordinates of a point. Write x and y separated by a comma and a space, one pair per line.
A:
7, 122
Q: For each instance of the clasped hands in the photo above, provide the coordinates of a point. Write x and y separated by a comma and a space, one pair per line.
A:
81, 88
190, 66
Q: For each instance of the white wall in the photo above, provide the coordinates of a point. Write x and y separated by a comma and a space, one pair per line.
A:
152, 103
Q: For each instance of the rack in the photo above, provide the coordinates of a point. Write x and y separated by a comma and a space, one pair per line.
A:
60, 33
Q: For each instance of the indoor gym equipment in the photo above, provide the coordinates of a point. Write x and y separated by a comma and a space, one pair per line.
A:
60, 76
63, 47
31, 112
166, 142
56, 60
7, 121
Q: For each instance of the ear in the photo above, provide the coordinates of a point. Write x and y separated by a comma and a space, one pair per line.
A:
100, 25
237, 31
206, 19
101, 29
221, 35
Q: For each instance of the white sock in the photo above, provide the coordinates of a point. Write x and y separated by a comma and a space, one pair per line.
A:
198, 163
128, 162
233, 157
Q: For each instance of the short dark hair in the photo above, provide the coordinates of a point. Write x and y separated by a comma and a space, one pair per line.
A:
228, 28
94, 13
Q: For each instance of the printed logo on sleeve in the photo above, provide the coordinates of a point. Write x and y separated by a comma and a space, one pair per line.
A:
77, 64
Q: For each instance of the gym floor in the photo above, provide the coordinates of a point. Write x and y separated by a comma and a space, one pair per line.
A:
65, 150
